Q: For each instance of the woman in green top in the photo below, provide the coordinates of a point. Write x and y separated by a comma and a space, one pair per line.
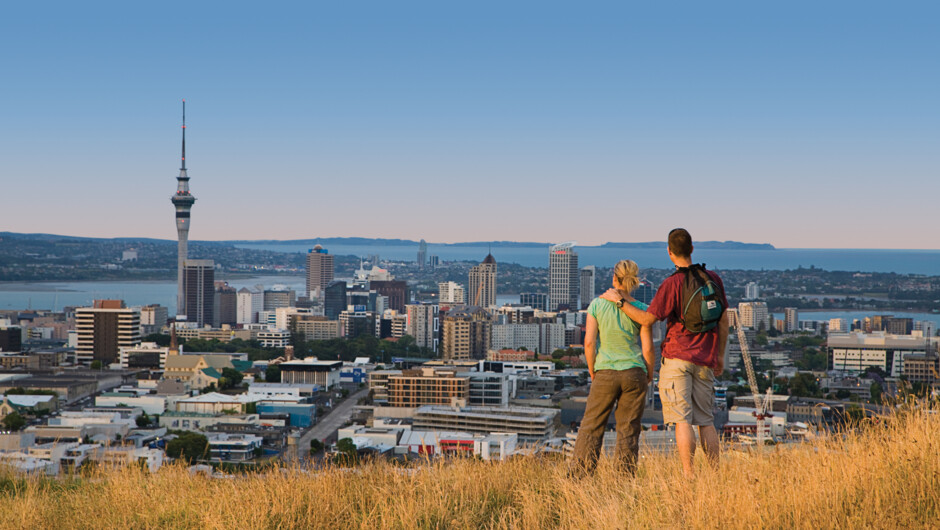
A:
621, 368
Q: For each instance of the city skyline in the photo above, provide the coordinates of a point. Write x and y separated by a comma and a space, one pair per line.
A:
795, 117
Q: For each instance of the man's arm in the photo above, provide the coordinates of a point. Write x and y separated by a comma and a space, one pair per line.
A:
590, 343
636, 314
722, 343
646, 342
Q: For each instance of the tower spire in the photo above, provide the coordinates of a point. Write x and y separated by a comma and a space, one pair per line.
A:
184, 137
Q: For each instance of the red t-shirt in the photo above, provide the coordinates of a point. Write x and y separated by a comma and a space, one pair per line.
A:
699, 348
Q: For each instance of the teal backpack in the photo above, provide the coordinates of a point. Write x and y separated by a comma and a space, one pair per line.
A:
702, 300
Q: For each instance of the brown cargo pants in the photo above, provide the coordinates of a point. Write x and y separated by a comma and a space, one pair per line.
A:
626, 389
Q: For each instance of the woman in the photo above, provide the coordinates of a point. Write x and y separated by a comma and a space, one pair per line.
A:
621, 371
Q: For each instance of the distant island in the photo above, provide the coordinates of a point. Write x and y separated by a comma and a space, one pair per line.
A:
380, 242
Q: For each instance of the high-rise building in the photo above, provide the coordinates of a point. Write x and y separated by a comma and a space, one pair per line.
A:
334, 299
754, 315
422, 254
11, 338
465, 334
248, 304
482, 284
564, 279
434, 262
791, 319
395, 290
423, 324
224, 305
152, 318
319, 271
104, 329
534, 300
588, 275
183, 202
644, 292
751, 291
199, 291
838, 325
279, 297
451, 293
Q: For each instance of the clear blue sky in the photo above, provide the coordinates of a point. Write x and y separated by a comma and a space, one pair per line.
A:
798, 123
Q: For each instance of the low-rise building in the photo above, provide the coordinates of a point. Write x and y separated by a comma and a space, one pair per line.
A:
531, 424
311, 371
234, 447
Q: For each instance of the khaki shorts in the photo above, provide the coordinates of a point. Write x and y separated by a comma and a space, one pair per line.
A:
687, 391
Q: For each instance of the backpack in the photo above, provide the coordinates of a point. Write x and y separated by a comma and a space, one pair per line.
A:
701, 300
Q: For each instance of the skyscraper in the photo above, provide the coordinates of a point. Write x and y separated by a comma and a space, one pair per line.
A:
422, 254
199, 291
451, 293
319, 271
564, 280
183, 202
423, 324
588, 274
482, 285
791, 319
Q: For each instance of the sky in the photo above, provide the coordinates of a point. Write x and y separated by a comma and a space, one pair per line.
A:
803, 124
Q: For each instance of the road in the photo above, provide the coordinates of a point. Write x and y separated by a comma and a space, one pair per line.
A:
330, 423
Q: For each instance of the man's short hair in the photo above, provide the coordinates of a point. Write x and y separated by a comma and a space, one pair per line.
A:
680, 242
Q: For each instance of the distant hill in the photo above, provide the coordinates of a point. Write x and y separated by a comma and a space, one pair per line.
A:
378, 242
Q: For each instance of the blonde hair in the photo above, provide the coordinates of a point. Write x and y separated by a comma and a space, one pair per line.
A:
625, 272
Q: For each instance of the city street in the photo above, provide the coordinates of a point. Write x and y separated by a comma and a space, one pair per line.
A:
330, 423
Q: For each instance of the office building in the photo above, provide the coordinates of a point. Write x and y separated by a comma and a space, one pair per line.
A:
183, 202
225, 305
199, 290
588, 276
838, 325
465, 334
310, 371
395, 290
534, 300
11, 338
319, 271
515, 337
316, 327
451, 293
152, 319
104, 329
278, 297
564, 278
434, 262
422, 254
644, 292
482, 284
531, 424
857, 351
334, 299
427, 386
248, 304
422, 324
791, 319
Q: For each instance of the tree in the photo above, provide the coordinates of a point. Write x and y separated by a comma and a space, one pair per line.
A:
347, 452
876, 392
272, 374
13, 421
96, 365
761, 339
231, 378
804, 385
843, 394
188, 446
143, 420
316, 447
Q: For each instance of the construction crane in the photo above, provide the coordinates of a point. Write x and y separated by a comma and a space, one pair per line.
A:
761, 404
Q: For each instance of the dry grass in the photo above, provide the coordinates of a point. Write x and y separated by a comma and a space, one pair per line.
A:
881, 477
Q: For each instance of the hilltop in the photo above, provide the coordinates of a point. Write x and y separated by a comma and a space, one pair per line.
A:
885, 475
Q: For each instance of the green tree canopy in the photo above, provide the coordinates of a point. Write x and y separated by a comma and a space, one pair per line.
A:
13, 421
188, 446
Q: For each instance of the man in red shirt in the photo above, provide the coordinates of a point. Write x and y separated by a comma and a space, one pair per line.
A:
691, 361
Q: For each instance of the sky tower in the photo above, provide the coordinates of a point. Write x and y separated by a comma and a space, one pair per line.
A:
183, 202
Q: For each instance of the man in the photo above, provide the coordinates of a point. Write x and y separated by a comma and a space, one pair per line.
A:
691, 361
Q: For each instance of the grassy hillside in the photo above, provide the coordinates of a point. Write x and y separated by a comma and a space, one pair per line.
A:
882, 477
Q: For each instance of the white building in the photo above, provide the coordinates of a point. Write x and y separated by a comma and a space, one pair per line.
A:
564, 280
857, 351
274, 338
149, 403
248, 304
423, 322
146, 355
516, 336
233, 447
551, 337
104, 329
451, 293
751, 291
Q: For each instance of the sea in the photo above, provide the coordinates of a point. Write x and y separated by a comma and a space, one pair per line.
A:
863, 260
56, 295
